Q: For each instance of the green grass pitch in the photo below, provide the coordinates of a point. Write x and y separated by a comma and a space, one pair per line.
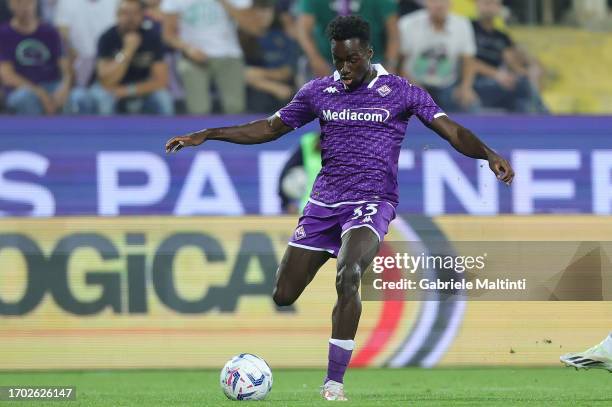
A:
364, 387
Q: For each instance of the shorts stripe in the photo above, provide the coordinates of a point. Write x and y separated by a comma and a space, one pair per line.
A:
361, 226
318, 249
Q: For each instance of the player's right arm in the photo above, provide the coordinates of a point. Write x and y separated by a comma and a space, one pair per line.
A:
296, 114
257, 132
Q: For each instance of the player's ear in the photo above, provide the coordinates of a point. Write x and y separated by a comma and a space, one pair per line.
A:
370, 52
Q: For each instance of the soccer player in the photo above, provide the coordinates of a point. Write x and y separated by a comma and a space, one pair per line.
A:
597, 357
363, 112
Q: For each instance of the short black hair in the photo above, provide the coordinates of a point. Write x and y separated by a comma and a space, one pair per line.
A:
346, 27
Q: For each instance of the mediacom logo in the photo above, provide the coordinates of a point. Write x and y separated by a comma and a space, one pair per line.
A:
366, 114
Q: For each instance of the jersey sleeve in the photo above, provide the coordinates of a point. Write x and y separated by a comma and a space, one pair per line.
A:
420, 103
299, 111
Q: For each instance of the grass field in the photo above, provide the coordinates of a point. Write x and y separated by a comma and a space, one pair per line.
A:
368, 387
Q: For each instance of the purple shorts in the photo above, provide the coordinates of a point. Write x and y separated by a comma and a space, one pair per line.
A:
321, 227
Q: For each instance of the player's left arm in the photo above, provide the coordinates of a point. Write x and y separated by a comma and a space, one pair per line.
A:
466, 142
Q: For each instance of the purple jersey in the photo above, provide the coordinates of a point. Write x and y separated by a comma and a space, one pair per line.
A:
34, 56
361, 133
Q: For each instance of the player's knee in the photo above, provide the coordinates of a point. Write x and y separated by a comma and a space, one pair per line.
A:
282, 298
348, 279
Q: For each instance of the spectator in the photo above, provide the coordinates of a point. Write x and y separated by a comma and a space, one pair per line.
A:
438, 49
315, 15
81, 24
270, 60
153, 15
131, 73
501, 78
205, 32
32, 65
285, 10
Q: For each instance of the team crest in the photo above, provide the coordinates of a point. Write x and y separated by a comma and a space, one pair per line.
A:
384, 90
300, 233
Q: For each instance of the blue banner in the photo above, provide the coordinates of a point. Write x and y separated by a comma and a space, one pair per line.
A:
117, 166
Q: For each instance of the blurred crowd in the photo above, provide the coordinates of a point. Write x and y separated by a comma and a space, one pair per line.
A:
166, 57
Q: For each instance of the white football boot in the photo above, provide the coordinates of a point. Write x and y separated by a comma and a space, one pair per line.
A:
597, 357
333, 391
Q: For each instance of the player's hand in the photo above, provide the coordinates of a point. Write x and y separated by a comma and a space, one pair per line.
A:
177, 143
502, 168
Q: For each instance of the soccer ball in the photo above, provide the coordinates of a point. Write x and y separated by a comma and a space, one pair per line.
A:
246, 377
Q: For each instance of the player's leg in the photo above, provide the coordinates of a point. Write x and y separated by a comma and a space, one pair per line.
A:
597, 357
359, 246
297, 269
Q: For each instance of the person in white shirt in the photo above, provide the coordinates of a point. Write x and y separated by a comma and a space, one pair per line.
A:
438, 50
81, 24
205, 32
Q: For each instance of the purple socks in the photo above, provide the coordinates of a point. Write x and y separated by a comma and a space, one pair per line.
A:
338, 359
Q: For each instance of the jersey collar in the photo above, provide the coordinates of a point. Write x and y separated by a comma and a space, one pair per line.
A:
380, 71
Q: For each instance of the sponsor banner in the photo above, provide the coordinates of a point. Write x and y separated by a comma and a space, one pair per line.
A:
130, 292
109, 167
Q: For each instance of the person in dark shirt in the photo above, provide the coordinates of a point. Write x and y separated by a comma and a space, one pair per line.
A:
501, 79
34, 71
271, 59
131, 74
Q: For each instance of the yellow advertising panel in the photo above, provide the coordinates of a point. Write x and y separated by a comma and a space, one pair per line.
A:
156, 292
145, 292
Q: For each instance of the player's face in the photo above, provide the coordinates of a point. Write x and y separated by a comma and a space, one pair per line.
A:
129, 16
351, 60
